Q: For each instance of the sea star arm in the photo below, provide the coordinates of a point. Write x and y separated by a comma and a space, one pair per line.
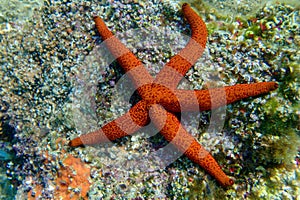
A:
181, 63
172, 130
193, 100
176, 67
126, 59
127, 124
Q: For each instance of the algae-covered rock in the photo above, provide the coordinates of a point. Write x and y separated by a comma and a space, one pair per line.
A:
11, 10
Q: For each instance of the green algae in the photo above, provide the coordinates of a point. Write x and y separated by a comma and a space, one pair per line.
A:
7, 190
209, 190
290, 82
253, 31
283, 149
280, 128
270, 146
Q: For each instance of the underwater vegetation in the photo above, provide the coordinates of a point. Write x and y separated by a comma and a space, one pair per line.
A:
7, 190
269, 148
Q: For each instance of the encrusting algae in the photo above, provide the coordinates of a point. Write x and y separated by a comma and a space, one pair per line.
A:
72, 181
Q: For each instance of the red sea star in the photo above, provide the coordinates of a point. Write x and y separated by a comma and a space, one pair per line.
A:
161, 99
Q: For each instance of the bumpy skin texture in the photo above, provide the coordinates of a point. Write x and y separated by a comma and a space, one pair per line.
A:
161, 99
127, 124
194, 100
184, 60
126, 59
175, 133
